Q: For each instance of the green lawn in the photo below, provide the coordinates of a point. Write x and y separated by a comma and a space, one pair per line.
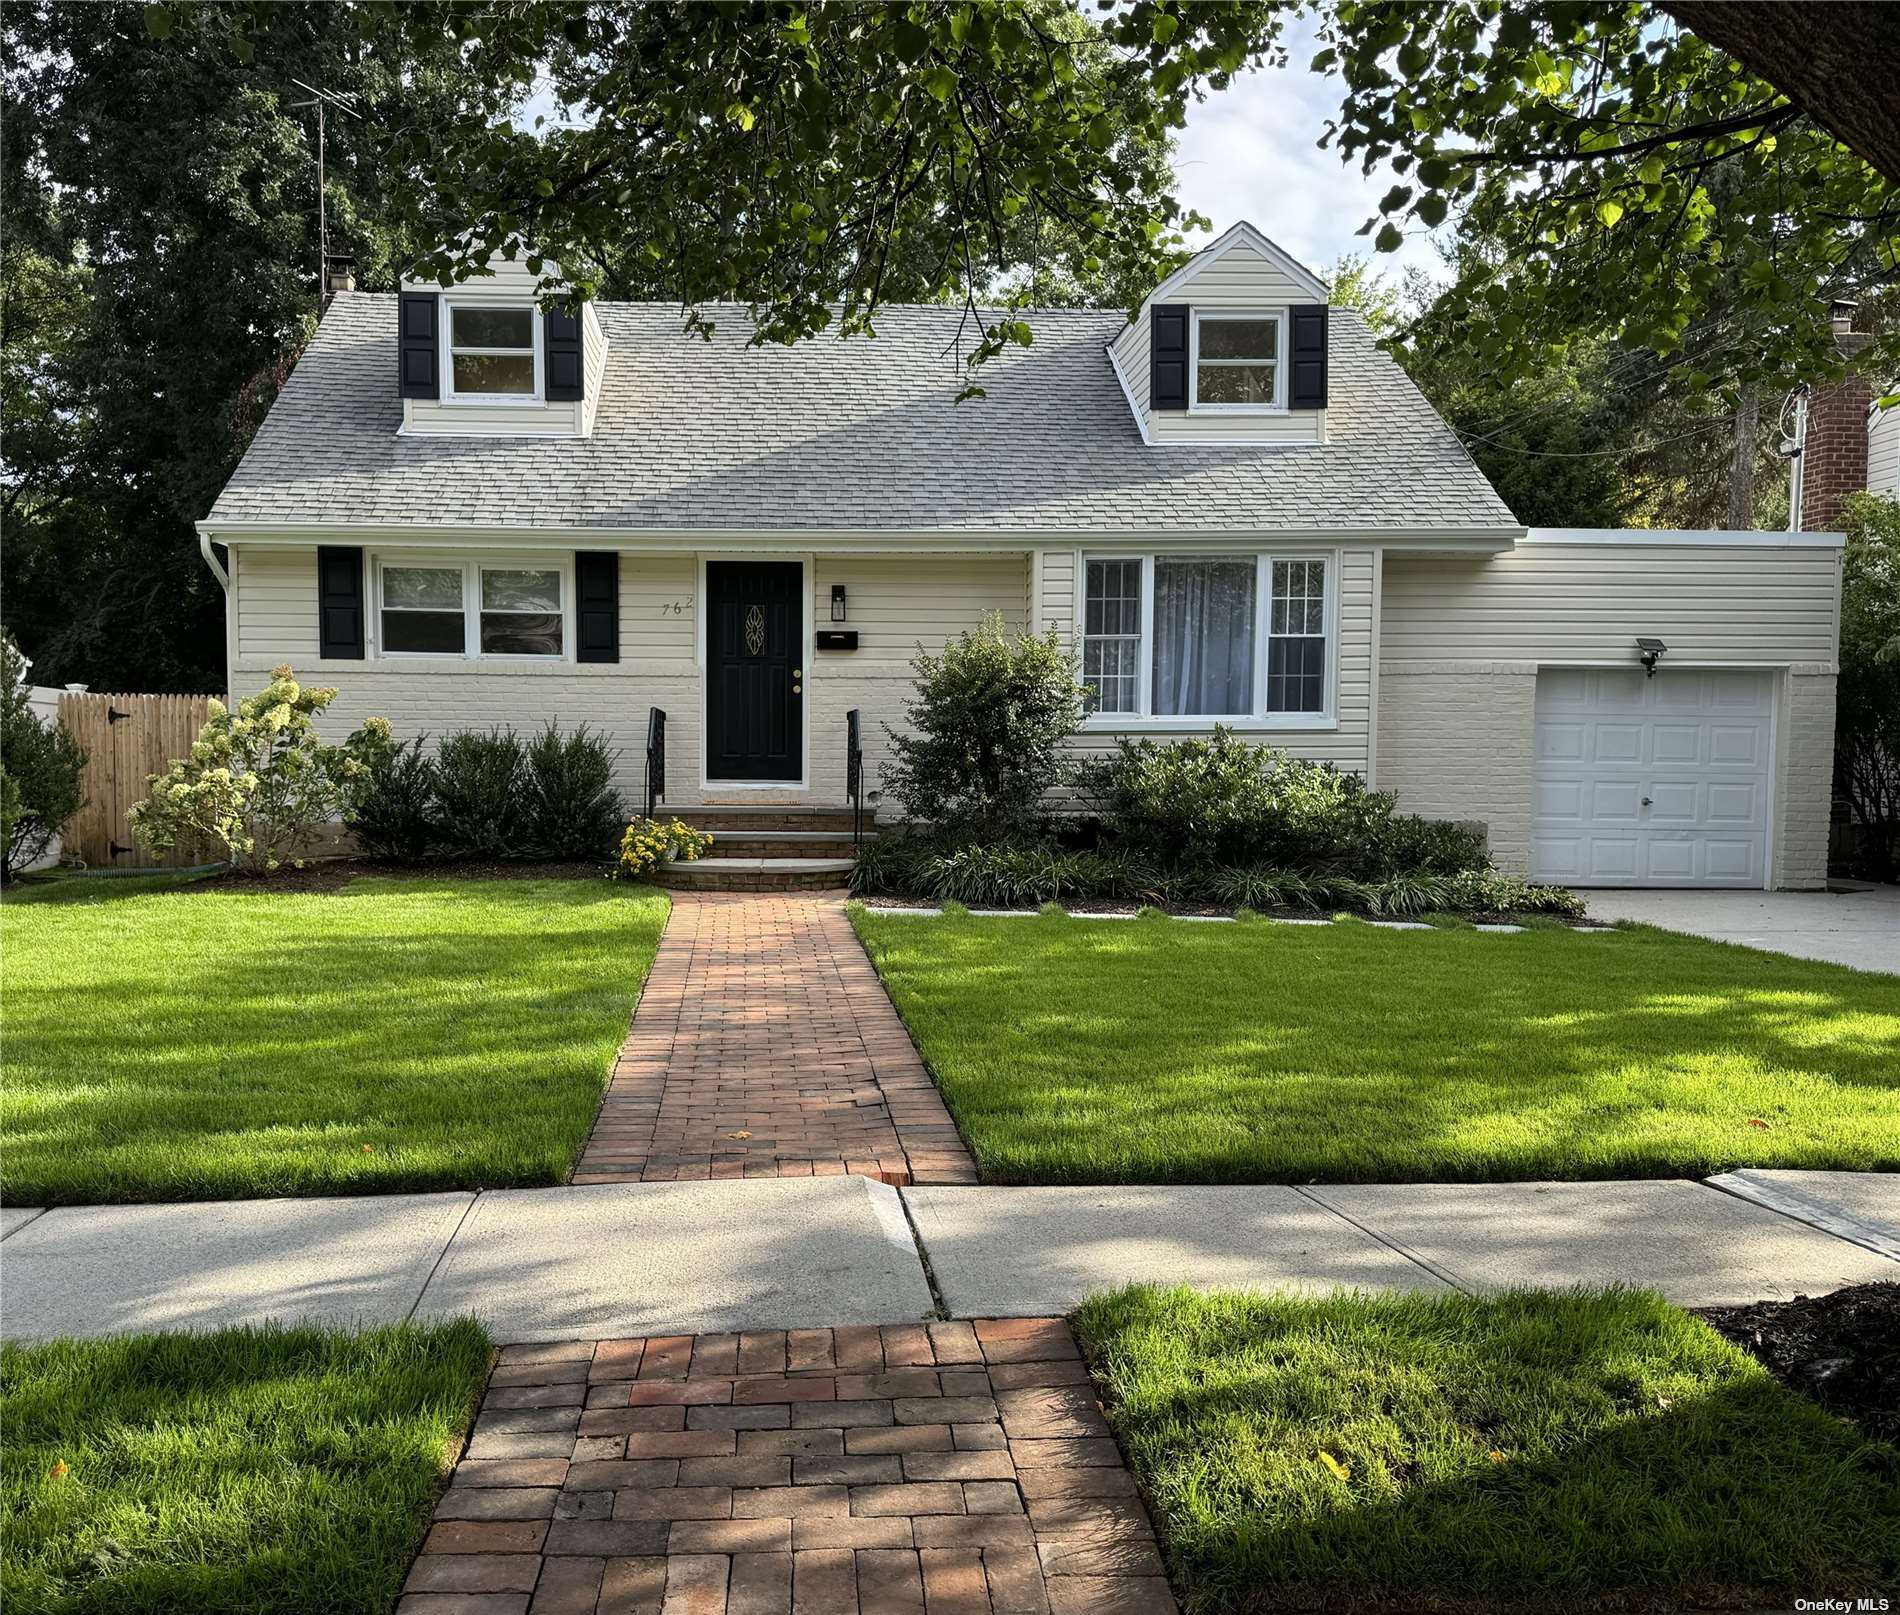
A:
1540, 1450
1076, 1051
168, 1042
242, 1471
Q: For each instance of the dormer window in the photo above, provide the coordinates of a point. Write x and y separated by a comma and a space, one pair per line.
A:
493, 355
1238, 361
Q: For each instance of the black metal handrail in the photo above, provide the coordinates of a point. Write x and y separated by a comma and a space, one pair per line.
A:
656, 759
854, 775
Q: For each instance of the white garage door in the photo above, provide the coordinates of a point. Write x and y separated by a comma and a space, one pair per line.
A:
1658, 781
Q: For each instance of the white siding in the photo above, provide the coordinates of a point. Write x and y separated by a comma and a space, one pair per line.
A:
1586, 602
274, 596
1346, 743
1241, 278
1883, 453
895, 604
1461, 641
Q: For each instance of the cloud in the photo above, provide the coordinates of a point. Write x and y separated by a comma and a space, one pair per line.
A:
1251, 152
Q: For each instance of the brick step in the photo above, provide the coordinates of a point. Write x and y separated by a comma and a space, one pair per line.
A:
813, 819
754, 874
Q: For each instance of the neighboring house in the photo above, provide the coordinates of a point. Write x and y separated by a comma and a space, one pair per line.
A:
1848, 445
1234, 510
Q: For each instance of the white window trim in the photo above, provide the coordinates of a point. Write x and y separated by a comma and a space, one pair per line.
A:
1279, 318
1143, 718
449, 351
471, 568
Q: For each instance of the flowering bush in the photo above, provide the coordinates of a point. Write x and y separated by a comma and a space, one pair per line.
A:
648, 842
259, 787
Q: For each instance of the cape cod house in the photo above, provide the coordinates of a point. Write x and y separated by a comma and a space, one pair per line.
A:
1235, 509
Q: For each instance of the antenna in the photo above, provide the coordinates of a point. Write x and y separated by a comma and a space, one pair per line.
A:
344, 102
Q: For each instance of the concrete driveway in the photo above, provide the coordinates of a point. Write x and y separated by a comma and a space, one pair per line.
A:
1861, 929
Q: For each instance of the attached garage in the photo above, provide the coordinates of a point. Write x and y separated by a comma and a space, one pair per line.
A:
1661, 780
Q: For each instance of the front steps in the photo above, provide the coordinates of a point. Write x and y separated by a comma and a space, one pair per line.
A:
765, 850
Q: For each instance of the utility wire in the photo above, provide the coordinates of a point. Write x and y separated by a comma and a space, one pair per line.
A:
1593, 454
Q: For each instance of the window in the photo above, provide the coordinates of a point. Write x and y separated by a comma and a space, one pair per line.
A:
1296, 638
1204, 628
425, 609
1111, 638
521, 612
1238, 362
494, 353
422, 610
1176, 640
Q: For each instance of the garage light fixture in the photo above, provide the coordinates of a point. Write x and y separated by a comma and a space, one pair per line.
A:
1650, 651
837, 602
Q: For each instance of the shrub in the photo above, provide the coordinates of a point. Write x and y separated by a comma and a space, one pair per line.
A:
259, 788
999, 874
986, 727
1484, 891
41, 770
1222, 802
481, 796
645, 843
397, 815
571, 809
1867, 722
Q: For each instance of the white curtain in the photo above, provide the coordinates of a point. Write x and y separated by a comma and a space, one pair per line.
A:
1204, 637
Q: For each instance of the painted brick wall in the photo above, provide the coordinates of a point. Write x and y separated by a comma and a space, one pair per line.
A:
1804, 787
1455, 743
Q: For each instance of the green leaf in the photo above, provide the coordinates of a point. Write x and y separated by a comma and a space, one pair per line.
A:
1609, 210
1431, 209
1390, 239
742, 115
1166, 26
158, 22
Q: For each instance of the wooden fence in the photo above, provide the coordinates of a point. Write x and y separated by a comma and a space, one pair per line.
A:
128, 738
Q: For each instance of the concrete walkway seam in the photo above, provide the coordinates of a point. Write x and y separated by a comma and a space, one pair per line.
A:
1398, 1248
1744, 1185
442, 1255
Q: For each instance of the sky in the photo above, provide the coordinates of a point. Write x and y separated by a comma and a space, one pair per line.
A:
1251, 152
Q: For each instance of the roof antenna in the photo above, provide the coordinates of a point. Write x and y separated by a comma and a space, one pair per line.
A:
344, 102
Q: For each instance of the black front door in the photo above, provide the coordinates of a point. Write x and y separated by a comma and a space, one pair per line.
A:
755, 669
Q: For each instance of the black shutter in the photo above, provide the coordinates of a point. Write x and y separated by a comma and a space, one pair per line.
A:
1306, 387
339, 602
597, 606
1168, 356
418, 315
561, 344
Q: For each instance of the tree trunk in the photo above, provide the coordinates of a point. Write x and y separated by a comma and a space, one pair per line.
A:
1839, 63
1741, 465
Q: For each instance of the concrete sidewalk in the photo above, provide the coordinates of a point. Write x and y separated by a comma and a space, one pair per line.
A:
625, 1260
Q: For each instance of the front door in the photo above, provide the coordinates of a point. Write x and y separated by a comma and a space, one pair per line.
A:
755, 670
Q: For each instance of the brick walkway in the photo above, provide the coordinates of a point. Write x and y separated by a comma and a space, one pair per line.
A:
941, 1469
764, 1046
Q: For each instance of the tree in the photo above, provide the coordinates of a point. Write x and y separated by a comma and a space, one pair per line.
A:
157, 279
42, 770
1581, 140
815, 160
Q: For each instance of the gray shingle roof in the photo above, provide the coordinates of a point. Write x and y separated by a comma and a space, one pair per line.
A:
848, 436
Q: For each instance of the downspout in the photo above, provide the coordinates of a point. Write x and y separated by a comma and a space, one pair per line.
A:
211, 560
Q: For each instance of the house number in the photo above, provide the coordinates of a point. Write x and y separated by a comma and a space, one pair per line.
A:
675, 608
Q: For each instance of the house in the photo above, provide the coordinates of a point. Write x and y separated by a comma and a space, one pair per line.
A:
1848, 444
1235, 509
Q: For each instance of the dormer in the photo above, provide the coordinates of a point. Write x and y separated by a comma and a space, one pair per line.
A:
484, 359
1231, 349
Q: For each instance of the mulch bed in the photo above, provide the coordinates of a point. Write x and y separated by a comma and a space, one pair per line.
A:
1843, 1350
